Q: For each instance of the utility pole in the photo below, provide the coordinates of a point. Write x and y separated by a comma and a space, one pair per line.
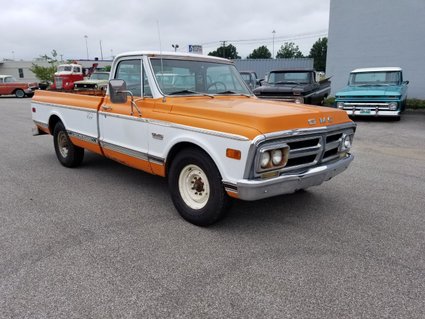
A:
274, 32
87, 47
101, 51
224, 48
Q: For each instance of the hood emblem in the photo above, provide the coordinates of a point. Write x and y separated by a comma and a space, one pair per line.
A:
322, 120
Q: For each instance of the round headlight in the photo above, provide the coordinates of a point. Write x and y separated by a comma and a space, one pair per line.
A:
277, 157
393, 106
299, 100
340, 105
265, 159
347, 142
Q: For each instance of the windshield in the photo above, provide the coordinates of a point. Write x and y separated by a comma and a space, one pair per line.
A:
99, 76
375, 78
62, 68
191, 77
289, 77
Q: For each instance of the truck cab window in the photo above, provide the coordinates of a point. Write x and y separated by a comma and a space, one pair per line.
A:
130, 72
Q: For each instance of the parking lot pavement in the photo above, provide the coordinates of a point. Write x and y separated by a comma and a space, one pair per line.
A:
104, 240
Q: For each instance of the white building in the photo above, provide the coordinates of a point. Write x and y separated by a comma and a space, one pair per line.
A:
376, 33
21, 69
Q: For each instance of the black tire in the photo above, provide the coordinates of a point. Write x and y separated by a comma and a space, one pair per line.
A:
192, 167
67, 153
19, 93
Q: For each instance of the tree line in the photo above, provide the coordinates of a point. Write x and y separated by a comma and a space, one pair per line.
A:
288, 50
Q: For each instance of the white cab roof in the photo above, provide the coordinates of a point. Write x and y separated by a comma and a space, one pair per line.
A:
382, 69
167, 53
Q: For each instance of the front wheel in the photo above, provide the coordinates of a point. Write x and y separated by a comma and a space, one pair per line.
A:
67, 153
19, 93
196, 188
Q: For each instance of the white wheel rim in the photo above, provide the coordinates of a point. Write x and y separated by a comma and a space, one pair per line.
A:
194, 186
63, 144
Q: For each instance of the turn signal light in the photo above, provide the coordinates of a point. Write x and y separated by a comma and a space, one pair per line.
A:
235, 154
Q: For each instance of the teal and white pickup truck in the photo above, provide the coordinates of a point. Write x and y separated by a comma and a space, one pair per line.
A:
374, 91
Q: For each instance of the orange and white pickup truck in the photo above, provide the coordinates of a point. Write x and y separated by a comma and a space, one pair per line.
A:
193, 120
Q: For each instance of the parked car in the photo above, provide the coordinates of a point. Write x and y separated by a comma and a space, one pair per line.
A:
97, 82
9, 85
374, 91
299, 86
250, 78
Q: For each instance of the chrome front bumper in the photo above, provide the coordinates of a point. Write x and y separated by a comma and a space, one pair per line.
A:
286, 184
372, 112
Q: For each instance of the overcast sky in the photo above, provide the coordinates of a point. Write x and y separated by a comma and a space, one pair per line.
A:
33, 28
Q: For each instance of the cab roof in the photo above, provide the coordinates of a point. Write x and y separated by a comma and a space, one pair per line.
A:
380, 69
171, 54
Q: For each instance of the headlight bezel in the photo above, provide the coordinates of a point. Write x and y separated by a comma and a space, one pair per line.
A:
269, 149
393, 106
340, 105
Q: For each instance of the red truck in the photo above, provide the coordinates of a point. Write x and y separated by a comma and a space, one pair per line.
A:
66, 75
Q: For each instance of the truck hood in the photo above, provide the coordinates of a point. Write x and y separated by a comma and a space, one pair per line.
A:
358, 91
282, 88
250, 116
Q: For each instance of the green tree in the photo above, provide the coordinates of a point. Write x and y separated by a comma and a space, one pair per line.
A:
228, 52
288, 51
318, 53
260, 53
46, 73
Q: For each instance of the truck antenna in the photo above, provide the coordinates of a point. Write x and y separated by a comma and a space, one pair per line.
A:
160, 56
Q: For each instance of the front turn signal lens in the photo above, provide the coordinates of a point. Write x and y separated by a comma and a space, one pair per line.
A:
232, 153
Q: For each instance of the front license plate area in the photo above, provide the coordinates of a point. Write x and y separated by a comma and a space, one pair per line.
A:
364, 111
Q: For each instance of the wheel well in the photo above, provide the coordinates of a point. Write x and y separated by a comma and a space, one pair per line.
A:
54, 119
177, 149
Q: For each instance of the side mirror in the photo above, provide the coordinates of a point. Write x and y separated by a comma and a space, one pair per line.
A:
118, 91
406, 82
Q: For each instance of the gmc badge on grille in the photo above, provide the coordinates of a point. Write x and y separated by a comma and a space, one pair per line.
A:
322, 120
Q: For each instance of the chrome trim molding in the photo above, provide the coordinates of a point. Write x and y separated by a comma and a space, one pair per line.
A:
42, 124
178, 126
199, 130
83, 137
124, 150
133, 153
78, 108
314, 130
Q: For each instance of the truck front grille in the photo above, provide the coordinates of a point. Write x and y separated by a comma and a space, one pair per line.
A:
310, 150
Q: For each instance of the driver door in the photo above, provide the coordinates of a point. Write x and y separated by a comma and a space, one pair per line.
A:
123, 135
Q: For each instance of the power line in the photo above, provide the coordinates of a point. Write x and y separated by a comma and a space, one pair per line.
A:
270, 39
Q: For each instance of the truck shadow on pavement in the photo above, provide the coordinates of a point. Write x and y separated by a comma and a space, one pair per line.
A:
284, 209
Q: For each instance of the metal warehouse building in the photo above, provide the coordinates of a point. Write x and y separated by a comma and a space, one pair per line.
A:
376, 33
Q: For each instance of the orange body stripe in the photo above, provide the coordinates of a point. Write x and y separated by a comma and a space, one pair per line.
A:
88, 146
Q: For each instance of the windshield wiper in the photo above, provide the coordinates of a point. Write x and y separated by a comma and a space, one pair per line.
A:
184, 92
287, 82
233, 93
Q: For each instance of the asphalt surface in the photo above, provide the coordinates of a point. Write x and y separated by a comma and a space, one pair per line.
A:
104, 240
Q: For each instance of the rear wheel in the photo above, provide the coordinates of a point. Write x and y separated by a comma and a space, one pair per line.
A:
67, 153
196, 188
19, 93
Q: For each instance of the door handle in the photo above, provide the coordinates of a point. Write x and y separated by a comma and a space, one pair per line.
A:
106, 107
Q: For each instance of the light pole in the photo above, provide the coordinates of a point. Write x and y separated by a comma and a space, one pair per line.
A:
274, 32
175, 46
87, 47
